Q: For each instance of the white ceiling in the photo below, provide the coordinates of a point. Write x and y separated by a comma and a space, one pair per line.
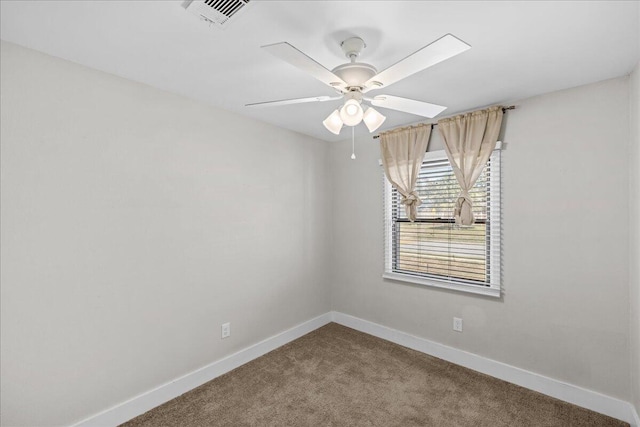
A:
519, 49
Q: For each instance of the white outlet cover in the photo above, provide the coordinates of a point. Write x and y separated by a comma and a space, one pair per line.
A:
457, 324
226, 330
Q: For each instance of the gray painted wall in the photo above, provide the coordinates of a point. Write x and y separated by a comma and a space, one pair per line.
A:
134, 223
565, 312
634, 232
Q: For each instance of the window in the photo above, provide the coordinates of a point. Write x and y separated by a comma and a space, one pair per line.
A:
435, 251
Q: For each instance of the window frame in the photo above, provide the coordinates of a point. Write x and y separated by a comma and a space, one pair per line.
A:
492, 289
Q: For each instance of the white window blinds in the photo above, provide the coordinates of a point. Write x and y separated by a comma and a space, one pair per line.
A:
433, 250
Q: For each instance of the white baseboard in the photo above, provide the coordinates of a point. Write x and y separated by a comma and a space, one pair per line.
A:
149, 400
567, 392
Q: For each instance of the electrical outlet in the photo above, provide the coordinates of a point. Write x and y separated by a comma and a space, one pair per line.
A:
226, 330
457, 324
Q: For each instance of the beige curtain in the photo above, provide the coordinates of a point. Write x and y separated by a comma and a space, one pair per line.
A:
469, 140
402, 153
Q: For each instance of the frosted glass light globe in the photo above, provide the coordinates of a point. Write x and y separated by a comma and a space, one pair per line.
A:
333, 123
373, 119
351, 113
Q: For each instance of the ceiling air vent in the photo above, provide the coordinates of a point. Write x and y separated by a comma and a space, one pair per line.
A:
218, 13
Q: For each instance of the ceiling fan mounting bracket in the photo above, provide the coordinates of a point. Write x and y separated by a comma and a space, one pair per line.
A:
352, 47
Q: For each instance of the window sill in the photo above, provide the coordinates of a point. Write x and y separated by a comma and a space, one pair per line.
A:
444, 284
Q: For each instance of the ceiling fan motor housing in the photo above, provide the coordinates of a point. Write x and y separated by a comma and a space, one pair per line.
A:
355, 74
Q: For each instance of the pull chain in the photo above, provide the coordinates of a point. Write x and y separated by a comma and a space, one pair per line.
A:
353, 142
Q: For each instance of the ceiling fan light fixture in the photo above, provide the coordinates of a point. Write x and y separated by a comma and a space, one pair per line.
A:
373, 119
333, 122
351, 112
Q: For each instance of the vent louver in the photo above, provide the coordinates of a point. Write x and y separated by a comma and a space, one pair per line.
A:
218, 13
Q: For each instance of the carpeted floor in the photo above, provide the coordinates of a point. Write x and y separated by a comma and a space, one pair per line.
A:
336, 376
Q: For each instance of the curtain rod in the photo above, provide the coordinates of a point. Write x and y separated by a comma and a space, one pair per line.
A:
504, 110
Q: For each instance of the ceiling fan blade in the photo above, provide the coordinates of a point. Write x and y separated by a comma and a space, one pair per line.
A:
407, 105
293, 101
298, 59
444, 48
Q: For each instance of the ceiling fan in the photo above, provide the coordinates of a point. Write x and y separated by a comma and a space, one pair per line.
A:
354, 79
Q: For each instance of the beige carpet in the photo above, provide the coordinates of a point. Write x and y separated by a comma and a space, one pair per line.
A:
336, 376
